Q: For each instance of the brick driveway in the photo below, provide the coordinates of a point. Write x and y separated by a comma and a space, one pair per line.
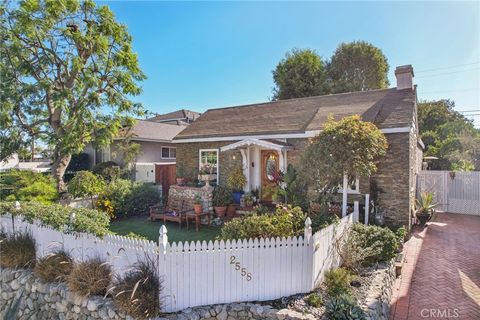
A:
441, 276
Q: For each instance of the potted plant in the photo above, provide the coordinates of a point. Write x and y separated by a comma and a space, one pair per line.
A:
236, 181
222, 197
248, 199
425, 207
180, 176
198, 204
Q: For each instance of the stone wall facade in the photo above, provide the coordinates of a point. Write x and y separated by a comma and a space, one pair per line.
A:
189, 193
379, 294
39, 300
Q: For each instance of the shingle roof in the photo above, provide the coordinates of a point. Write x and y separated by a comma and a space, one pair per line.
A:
150, 130
386, 108
178, 114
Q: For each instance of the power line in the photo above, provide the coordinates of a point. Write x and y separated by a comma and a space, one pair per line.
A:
456, 90
447, 73
450, 67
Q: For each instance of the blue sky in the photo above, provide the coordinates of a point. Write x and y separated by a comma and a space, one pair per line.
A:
200, 55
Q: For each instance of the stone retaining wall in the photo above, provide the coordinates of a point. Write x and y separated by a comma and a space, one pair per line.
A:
39, 300
189, 193
379, 293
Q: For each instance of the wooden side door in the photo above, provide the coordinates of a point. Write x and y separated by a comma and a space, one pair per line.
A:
270, 166
165, 175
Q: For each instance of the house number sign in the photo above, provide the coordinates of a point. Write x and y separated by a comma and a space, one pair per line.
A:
243, 271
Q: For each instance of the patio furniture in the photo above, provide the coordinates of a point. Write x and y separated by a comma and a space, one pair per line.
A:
176, 215
191, 215
172, 210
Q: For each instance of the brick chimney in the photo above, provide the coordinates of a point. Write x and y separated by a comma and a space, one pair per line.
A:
404, 76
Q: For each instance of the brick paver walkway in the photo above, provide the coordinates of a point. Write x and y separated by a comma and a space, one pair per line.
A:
441, 276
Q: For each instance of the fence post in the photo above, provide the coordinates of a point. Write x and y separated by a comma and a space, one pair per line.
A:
367, 207
356, 211
308, 229
162, 250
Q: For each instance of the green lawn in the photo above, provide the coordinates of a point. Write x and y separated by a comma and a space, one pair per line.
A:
148, 229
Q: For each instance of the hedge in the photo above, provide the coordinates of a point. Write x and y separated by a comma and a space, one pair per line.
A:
58, 217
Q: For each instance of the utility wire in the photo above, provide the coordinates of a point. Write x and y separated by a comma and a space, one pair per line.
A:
450, 67
456, 90
447, 73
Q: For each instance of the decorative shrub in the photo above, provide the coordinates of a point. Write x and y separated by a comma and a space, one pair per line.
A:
236, 180
321, 220
136, 293
338, 281
27, 186
99, 169
90, 277
142, 197
285, 222
222, 196
113, 199
17, 250
86, 184
314, 300
344, 307
376, 237
55, 267
59, 217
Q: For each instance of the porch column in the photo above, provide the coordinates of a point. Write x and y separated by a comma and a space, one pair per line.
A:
282, 161
246, 168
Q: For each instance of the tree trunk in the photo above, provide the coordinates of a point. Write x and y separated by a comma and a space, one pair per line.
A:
59, 166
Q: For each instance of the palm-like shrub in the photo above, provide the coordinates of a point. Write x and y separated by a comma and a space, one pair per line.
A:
426, 203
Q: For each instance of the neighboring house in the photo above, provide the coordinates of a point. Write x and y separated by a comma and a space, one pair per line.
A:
13, 162
265, 137
156, 161
181, 116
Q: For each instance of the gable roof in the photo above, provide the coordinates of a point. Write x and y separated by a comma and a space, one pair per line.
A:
152, 131
387, 108
174, 115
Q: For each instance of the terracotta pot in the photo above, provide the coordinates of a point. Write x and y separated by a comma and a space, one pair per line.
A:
232, 209
198, 208
181, 181
220, 211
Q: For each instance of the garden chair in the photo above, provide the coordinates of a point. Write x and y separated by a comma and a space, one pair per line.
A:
173, 204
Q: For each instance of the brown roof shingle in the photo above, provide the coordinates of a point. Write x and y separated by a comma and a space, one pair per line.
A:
150, 130
385, 107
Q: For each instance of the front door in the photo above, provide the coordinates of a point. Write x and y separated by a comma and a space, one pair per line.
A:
165, 175
270, 169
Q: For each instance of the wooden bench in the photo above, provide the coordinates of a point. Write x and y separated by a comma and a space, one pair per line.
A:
173, 210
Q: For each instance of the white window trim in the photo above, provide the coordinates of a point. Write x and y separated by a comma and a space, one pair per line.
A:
218, 161
351, 191
169, 148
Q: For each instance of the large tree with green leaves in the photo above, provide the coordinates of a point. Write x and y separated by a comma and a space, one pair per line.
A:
68, 74
449, 136
348, 147
300, 74
358, 66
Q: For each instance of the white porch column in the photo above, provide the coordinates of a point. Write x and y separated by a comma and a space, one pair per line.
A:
246, 168
344, 195
282, 161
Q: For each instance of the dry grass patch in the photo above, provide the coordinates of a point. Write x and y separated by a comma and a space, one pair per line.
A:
54, 267
17, 250
137, 292
91, 277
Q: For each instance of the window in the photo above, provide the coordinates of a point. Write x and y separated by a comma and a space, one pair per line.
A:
102, 154
353, 187
208, 160
169, 153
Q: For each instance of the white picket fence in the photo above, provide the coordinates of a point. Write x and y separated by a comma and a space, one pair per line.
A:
455, 192
201, 273
120, 252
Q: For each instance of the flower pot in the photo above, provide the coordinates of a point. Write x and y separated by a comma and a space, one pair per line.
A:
220, 211
232, 209
181, 181
423, 218
207, 177
198, 208
237, 195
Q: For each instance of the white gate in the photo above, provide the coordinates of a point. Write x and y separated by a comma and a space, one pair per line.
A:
455, 192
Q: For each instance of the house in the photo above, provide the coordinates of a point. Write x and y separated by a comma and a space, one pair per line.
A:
39, 164
268, 136
182, 116
157, 158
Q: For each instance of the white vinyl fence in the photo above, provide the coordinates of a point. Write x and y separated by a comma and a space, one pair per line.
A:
201, 273
455, 192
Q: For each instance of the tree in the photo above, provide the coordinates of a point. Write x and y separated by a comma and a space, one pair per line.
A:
358, 66
449, 136
324, 163
86, 184
300, 74
68, 72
